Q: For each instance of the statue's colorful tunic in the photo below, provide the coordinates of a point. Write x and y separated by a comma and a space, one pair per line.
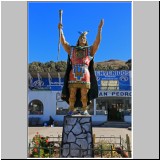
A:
79, 75
79, 82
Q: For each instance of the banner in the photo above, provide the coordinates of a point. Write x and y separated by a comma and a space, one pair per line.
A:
121, 78
114, 94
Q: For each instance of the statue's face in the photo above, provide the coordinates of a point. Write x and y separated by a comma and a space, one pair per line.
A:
82, 40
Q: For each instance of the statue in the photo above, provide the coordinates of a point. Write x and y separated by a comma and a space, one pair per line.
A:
80, 84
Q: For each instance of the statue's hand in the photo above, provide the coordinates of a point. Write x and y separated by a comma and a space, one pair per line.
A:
60, 26
101, 24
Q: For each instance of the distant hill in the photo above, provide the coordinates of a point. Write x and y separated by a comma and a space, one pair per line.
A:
113, 65
55, 67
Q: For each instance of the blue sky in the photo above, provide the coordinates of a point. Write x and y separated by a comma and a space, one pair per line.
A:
43, 37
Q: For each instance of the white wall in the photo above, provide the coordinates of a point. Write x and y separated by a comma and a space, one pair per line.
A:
48, 98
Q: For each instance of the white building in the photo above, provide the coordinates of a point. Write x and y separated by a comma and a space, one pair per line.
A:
112, 104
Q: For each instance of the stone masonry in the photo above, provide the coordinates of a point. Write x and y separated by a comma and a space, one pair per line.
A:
77, 138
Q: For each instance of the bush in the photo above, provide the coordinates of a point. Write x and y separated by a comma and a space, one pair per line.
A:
105, 149
41, 147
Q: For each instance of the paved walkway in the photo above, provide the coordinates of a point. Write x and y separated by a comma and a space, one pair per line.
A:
98, 131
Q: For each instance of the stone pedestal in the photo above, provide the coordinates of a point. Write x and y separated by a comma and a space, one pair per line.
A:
77, 140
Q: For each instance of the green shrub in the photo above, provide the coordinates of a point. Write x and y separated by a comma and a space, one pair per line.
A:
104, 149
41, 147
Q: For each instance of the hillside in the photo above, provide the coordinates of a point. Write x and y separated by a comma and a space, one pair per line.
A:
55, 67
113, 65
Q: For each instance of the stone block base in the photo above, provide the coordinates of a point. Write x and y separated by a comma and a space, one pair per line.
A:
77, 140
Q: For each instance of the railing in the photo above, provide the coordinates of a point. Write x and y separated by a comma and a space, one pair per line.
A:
104, 147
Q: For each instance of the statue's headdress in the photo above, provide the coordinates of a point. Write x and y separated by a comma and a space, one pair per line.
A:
82, 34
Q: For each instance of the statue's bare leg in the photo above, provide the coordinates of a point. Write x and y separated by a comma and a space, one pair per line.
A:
72, 98
84, 99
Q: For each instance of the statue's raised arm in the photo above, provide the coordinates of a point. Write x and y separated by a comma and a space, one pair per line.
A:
65, 44
98, 38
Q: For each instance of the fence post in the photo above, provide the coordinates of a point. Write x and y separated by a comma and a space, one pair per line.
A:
92, 147
94, 137
111, 151
128, 145
60, 151
92, 150
29, 149
101, 151
120, 140
122, 149
53, 148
